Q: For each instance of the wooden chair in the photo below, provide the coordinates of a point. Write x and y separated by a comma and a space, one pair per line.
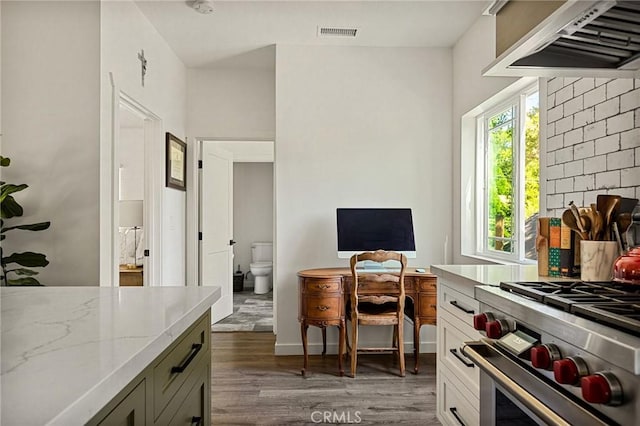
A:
377, 298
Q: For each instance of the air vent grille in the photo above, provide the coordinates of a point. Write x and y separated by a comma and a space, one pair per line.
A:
336, 32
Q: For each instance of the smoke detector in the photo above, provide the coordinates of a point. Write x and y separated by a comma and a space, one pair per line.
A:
203, 6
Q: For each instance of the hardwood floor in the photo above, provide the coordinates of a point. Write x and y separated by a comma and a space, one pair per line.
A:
251, 386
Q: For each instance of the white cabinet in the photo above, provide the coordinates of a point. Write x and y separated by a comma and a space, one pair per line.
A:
457, 378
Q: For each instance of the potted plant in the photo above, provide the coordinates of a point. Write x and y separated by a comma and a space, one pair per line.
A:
15, 267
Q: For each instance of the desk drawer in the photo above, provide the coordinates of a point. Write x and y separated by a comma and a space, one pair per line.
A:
171, 372
427, 284
428, 306
323, 308
322, 285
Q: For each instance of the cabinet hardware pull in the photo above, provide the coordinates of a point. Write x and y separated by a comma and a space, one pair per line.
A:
455, 353
454, 411
323, 308
433, 306
323, 286
195, 348
196, 421
463, 309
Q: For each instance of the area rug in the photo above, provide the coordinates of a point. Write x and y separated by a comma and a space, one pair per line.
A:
251, 312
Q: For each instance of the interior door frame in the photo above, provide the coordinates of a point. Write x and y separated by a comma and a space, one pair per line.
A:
153, 191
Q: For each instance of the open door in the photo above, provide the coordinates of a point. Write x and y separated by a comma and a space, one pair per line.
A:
216, 225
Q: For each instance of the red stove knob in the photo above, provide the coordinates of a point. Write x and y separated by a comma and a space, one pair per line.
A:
543, 356
569, 370
601, 388
497, 329
480, 320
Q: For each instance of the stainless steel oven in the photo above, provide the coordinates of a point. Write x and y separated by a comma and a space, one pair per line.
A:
557, 353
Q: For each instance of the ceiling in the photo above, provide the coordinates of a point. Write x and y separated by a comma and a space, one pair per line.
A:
242, 33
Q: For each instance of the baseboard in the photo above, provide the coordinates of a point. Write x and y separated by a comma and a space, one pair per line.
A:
332, 348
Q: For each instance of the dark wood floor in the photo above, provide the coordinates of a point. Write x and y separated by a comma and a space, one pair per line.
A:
251, 386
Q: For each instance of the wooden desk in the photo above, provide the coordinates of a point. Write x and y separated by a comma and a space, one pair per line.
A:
323, 295
130, 277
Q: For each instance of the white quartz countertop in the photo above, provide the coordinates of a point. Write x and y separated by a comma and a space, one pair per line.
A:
488, 274
67, 351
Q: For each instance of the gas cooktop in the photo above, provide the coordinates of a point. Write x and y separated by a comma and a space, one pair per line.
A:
611, 303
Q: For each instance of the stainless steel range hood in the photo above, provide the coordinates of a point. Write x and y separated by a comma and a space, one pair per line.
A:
581, 38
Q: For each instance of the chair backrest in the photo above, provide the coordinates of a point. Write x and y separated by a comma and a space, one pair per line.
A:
378, 286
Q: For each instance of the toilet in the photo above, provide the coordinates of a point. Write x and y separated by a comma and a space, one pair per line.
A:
261, 266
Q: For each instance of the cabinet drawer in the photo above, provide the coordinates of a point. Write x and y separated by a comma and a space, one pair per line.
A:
450, 340
130, 411
454, 404
460, 305
322, 285
171, 372
427, 284
428, 305
191, 412
324, 308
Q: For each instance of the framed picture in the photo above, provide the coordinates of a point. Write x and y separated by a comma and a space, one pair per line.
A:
176, 163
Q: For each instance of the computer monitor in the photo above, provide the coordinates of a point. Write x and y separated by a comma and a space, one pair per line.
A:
371, 229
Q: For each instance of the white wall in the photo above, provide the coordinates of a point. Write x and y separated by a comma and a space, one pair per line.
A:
131, 163
231, 103
51, 113
474, 50
252, 209
357, 127
125, 32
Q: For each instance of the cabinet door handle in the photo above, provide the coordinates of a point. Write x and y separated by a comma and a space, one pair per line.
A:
323, 286
322, 307
454, 411
196, 421
462, 308
455, 353
195, 348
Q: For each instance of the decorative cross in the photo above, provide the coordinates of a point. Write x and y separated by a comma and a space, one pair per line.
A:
143, 65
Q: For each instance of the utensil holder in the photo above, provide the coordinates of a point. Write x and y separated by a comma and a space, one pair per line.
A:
596, 260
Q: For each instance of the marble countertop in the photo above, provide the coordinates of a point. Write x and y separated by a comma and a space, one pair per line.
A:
488, 274
67, 351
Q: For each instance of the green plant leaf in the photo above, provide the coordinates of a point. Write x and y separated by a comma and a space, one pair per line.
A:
27, 258
10, 208
27, 281
41, 226
10, 188
4, 161
22, 271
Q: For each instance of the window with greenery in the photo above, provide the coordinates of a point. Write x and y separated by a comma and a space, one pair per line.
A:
508, 170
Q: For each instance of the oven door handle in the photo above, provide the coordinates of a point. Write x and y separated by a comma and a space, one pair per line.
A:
536, 407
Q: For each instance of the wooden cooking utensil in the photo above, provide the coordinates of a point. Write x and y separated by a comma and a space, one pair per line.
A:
570, 220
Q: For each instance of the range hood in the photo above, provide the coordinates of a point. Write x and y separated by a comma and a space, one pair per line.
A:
580, 38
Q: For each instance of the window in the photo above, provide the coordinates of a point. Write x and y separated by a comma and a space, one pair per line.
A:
508, 178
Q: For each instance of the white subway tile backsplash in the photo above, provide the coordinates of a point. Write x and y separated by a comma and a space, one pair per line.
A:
619, 86
595, 164
595, 96
564, 185
582, 118
595, 130
573, 137
630, 100
630, 139
593, 140
584, 183
564, 125
608, 144
620, 123
564, 94
607, 109
630, 177
584, 150
574, 168
608, 180
620, 159
564, 155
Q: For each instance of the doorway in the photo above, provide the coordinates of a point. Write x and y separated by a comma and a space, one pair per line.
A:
252, 180
135, 196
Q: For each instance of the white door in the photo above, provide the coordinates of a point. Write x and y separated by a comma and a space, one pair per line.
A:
216, 225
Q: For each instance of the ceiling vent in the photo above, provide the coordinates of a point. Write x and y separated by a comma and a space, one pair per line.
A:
336, 32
